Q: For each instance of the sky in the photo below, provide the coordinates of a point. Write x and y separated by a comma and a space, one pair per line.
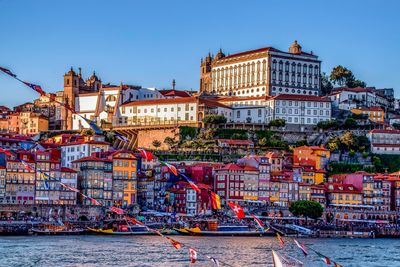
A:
149, 43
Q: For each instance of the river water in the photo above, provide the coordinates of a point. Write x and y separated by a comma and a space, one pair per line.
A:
92, 250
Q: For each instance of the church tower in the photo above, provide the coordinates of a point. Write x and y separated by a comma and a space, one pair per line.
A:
205, 75
71, 90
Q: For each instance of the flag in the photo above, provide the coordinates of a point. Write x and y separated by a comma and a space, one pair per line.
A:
121, 137
237, 209
117, 210
93, 125
214, 260
171, 167
336, 264
192, 255
7, 71
27, 166
134, 221
323, 258
70, 188
175, 243
35, 87
259, 222
45, 178
191, 183
154, 231
280, 239
94, 201
215, 201
146, 154
301, 246
7, 152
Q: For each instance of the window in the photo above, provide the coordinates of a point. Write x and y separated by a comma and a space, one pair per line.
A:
238, 114
259, 113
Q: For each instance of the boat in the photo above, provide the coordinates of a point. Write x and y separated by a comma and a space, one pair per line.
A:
123, 227
55, 229
281, 260
213, 229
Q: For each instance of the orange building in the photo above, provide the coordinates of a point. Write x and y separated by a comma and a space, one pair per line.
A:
124, 177
315, 156
375, 114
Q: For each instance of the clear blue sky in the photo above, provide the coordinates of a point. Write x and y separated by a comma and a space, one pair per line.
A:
151, 42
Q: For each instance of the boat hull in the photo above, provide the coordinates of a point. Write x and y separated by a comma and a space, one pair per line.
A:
230, 233
44, 232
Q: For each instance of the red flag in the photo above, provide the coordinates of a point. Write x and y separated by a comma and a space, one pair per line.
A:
146, 154
191, 183
258, 221
175, 243
117, 210
323, 258
35, 87
336, 264
215, 201
27, 166
7, 152
70, 188
133, 220
280, 239
237, 209
192, 255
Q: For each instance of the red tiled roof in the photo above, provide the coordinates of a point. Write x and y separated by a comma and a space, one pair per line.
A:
259, 50
240, 98
173, 92
65, 169
388, 131
90, 158
341, 188
386, 145
236, 142
164, 101
301, 97
311, 147
81, 142
369, 109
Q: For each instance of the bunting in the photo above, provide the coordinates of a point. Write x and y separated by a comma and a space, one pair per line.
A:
117, 210
36, 87
45, 177
215, 201
237, 209
146, 154
93, 125
192, 255
177, 245
26, 165
7, 152
323, 258
191, 183
301, 247
120, 137
7, 71
70, 188
280, 239
337, 264
171, 167
259, 222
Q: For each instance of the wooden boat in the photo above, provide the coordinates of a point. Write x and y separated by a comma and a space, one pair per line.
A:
52, 229
124, 227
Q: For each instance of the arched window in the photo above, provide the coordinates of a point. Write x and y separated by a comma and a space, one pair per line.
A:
274, 64
280, 65
111, 98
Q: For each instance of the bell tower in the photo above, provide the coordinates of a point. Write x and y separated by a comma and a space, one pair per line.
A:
205, 74
71, 90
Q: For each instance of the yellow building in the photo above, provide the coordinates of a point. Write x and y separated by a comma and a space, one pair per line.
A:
375, 114
343, 194
312, 176
304, 191
32, 123
124, 178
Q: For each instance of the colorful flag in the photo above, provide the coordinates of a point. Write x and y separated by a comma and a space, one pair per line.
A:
301, 246
94, 201
93, 125
117, 210
171, 167
192, 255
214, 260
191, 183
237, 209
27, 166
280, 239
134, 221
7, 71
35, 87
215, 201
45, 177
70, 188
336, 264
146, 154
120, 137
7, 152
323, 258
258, 221
175, 243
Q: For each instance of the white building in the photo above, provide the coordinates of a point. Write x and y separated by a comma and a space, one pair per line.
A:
80, 149
261, 72
384, 141
298, 109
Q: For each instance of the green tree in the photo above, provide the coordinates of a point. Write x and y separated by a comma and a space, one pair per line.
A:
348, 140
239, 136
169, 141
326, 85
307, 209
277, 123
341, 75
214, 119
350, 123
156, 143
333, 144
263, 142
356, 83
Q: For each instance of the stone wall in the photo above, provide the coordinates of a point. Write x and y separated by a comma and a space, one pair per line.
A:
146, 137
